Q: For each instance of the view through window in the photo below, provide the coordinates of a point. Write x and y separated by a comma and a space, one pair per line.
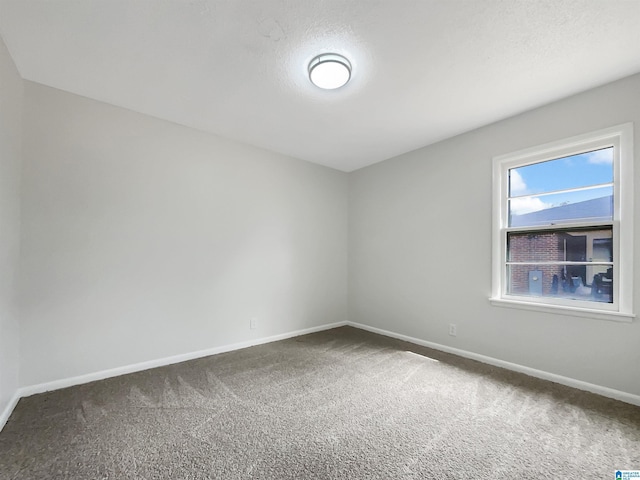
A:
560, 228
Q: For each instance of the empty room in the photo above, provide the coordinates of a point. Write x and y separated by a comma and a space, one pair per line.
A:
273, 239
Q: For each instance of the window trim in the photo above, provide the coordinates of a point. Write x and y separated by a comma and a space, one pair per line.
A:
621, 138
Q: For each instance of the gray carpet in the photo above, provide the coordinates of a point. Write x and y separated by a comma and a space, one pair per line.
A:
340, 404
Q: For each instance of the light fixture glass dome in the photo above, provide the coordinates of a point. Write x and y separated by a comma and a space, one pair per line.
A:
329, 71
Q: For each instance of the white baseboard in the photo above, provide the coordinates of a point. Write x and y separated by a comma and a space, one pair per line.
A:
6, 413
161, 362
552, 377
113, 372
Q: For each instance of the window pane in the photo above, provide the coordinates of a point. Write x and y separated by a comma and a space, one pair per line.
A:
560, 281
585, 245
594, 205
602, 250
584, 282
575, 171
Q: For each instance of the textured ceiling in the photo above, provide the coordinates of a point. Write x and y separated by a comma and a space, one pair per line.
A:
423, 70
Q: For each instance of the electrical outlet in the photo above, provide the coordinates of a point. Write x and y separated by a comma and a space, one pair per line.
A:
453, 329
253, 323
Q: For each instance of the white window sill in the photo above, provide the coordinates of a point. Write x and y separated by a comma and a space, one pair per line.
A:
562, 310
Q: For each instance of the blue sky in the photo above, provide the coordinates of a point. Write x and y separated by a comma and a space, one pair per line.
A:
565, 173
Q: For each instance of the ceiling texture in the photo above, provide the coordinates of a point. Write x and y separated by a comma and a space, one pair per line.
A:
423, 70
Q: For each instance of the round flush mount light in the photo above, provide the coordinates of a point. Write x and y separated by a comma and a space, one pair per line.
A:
329, 71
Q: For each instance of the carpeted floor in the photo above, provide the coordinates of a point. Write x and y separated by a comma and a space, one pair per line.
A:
340, 404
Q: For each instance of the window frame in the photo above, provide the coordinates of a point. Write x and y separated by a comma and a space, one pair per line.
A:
621, 138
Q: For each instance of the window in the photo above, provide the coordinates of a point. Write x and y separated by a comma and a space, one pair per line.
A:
563, 226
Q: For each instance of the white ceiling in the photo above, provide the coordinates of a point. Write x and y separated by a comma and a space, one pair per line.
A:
423, 70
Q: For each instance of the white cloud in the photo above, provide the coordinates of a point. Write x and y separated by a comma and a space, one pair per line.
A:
520, 206
600, 157
517, 184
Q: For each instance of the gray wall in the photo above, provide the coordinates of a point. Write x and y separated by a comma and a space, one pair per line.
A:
143, 239
11, 90
420, 247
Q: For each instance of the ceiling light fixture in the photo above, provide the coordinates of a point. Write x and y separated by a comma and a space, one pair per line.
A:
329, 71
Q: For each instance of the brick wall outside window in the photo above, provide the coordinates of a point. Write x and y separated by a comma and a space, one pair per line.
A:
538, 247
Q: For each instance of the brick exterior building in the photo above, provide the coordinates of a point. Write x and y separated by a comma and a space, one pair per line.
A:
539, 247
554, 247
